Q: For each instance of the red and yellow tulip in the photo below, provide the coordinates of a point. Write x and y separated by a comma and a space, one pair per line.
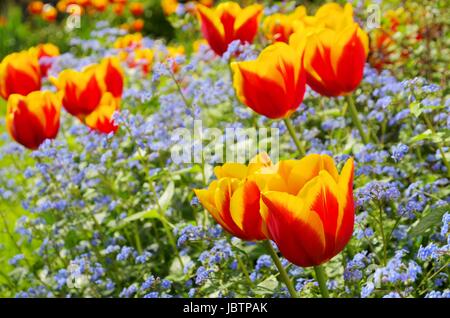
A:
336, 51
112, 74
49, 13
129, 41
33, 118
43, 52
100, 119
234, 198
19, 74
273, 85
310, 212
278, 27
142, 58
228, 22
136, 8
82, 91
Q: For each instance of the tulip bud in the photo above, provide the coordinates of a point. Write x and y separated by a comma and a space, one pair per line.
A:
273, 85
19, 74
82, 91
310, 216
33, 118
234, 199
44, 54
228, 22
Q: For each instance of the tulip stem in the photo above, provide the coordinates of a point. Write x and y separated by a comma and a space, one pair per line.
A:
284, 276
290, 128
322, 280
355, 119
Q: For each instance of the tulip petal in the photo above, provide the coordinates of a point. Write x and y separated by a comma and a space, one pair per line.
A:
298, 232
212, 29
321, 194
346, 224
244, 207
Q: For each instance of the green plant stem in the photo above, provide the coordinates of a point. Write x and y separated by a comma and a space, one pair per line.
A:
441, 151
355, 118
322, 280
284, 276
165, 222
383, 236
291, 130
244, 270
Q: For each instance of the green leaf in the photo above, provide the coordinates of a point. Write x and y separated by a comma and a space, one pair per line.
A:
164, 200
150, 214
427, 134
430, 220
415, 109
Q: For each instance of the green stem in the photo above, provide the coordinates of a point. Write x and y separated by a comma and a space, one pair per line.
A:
165, 223
284, 276
290, 128
244, 269
433, 130
355, 119
383, 236
322, 280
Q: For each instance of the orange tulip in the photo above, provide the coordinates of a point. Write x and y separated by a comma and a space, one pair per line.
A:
234, 199
49, 13
82, 91
19, 74
35, 7
100, 119
33, 118
112, 75
138, 25
137, 8
335, 53
43, 52
273, 85
228, 22
118, 9
100, 5
310, 214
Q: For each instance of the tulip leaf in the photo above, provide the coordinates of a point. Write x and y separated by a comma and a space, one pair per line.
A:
164, 200
150, 214
430, 220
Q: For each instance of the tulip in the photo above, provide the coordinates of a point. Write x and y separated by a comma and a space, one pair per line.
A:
334, 58
82, 91
137, 25
35, 7
49, 13
137, 9
129, 41
310, 216
118, 9
142, 58
279, 27
228, 22
101, 119
45, 53
273, 85
169, 6
33, 118
234, 198
19, 74
112, 74
100, 5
